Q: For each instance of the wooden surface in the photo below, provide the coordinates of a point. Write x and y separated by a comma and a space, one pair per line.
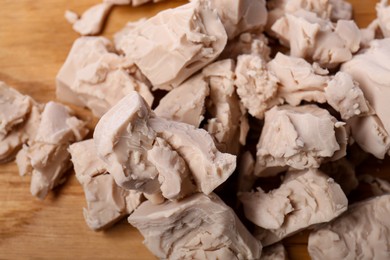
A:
34, 42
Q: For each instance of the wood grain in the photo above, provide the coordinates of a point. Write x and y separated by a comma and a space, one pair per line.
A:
34, 42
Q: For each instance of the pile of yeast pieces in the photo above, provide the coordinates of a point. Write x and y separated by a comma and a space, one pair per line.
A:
202, 104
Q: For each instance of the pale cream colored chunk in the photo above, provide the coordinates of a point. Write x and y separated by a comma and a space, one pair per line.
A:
274, 252
126, 133
316, 39
241, 15
325, 9
299, 80
363, 232
174, 175
300, 137
247, 43
91, 21
208, 166
171, 46
186, 103
46, 156
123, 137
305, 198
383, 14
345, 96
94, 77
14, 108
224, 107
256, 86
19, 117
278, 8
197, 227
370, 134
371, 70
107, 203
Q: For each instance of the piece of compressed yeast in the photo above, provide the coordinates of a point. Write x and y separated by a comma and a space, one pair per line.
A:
299, 137
174, 174
19, 116
209, 167
107, 203
95, 77
123, 137
305, 198
186, 103
91, 21
228, 122
329, 9
257, 87
197, 227
315, 39
298, 79
46, 156
241, 16
130, 133
171, 46
362, 232
346, 97
370, 69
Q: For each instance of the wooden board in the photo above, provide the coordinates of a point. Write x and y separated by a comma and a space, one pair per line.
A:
34, 42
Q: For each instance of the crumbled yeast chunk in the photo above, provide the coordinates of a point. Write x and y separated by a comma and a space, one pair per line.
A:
241, 15
95, 77
363, 232
197, 227
46, 156
299, 80
370, 69
370, 134
326, 9
196, 37
345, 96
19, 117
174, 174
91, 21
305, 198
256, 86
317, 39
299, 137
107, 203
186, 103
126, 133
227, 117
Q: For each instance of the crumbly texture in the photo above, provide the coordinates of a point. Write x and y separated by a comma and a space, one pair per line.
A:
361, 233
304, 198
183, 97
46, 156
199, 227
